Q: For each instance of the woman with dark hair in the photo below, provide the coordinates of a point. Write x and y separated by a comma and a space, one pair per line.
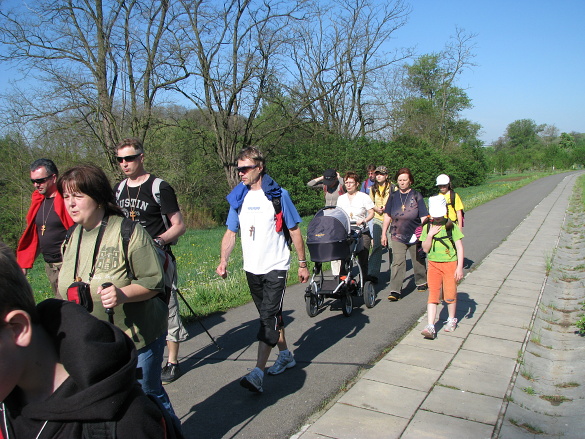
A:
94, 254
405, 211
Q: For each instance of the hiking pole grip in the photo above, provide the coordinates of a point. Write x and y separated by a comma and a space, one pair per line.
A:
109, 311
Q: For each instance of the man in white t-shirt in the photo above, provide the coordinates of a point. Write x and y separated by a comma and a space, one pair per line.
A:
265, 215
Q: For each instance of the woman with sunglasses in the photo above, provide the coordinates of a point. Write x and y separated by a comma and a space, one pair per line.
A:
94, 255
404, 212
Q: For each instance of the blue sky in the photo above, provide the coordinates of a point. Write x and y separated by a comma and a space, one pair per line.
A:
530, 58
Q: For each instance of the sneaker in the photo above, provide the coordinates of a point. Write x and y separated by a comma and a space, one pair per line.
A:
422, 287
253, 381
429, 332
394, 296
451, 325
170, 373
283, 362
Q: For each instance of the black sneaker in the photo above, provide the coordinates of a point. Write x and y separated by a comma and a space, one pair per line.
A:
422, 287
394, 296
170, 373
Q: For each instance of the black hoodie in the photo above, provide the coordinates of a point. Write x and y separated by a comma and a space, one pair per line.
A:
102, 386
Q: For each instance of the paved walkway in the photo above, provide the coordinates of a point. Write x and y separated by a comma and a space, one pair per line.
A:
458, 385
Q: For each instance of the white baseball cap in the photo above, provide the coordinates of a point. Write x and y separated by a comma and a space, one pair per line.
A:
443, 179
437, 206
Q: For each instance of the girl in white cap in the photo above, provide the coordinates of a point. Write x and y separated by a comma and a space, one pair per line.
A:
454, 203
441, 240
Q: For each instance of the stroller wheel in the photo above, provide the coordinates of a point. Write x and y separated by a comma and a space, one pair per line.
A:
347, 304
369, 294
311, 305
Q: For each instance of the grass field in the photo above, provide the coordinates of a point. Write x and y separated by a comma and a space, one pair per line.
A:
197, 256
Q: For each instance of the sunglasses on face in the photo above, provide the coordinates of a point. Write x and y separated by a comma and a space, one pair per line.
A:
40, 180
128, 158
245, 169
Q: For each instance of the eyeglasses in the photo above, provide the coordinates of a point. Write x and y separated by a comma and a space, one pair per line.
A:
128, 158
245, 169
40, 180
349, 182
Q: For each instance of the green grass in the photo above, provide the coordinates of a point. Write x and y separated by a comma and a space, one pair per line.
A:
197, 256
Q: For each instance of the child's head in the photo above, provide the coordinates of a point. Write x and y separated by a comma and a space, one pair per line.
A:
444, 183
437, 206
17, 311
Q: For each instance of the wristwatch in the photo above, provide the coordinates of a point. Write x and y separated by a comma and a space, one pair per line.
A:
159, 241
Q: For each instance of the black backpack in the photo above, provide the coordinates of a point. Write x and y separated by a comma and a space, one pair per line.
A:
443, 238
452, 203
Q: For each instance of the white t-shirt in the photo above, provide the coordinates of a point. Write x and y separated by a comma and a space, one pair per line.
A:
358, 207
264, 249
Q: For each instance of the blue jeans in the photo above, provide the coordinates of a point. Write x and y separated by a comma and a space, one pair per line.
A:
150, 359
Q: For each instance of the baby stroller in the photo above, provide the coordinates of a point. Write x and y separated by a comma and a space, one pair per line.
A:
330, 237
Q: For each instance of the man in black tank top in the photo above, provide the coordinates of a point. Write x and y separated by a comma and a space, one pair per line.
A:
153, 203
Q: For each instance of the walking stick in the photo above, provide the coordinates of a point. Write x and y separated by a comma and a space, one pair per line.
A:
197, 318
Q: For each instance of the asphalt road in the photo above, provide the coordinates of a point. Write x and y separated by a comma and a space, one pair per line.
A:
329, 348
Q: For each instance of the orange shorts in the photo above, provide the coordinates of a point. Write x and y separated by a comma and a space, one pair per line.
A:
442, 274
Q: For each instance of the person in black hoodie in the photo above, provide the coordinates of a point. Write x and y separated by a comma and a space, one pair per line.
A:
63, 370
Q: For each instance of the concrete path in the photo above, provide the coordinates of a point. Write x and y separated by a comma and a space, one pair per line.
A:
460, 384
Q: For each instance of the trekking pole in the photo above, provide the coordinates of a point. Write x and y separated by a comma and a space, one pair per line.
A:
197, 318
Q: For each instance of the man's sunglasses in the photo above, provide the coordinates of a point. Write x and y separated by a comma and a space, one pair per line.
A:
128, 158
40, 180
244, 169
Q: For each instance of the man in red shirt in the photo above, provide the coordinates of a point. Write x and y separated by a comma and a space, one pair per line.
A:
47, 222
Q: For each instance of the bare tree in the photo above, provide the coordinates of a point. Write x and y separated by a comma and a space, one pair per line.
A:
341, 55
99, 63
237, 45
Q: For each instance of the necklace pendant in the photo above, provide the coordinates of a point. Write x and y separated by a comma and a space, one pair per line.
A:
43, 228
133, 215
403, 207
252, 228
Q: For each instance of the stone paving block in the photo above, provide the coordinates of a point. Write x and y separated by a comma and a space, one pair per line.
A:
465, 405
500, 331
507, 309
519, 320
411, 377
384, 398
484, 362
478, 277
479, 293
348, 422
532, 278
422, 357
513, 299
484, 383
491, 345
516, 288
429, 425
444, 344
469, 309
495, 270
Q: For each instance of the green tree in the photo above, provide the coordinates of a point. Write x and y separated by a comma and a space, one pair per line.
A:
523, 134
433, 103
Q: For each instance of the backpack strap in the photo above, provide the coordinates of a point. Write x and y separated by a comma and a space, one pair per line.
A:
442, 239
277, 204
126, 231
156, 194
121, 186
452, 195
